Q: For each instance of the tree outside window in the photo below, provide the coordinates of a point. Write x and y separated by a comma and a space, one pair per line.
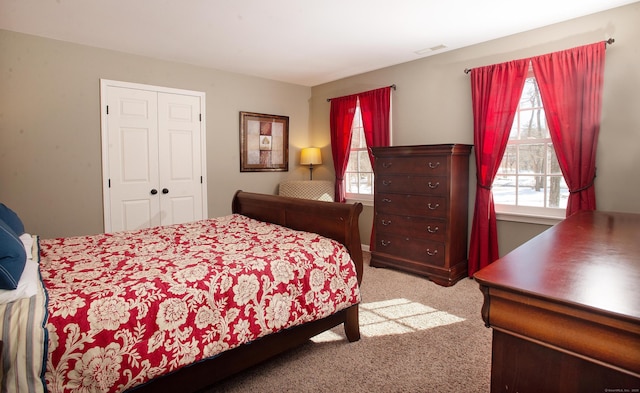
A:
529, 177
359, 174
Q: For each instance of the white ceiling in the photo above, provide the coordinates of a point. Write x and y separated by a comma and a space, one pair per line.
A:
305, 42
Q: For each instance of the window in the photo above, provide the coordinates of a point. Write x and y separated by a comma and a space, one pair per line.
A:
529, 180
358, 177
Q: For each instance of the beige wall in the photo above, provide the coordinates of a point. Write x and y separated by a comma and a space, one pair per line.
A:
50, 168
50, 152
432, 104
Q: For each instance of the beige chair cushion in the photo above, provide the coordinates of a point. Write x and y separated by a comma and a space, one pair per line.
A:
321, 190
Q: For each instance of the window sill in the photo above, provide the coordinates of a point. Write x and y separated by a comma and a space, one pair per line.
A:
365, 202
528, 218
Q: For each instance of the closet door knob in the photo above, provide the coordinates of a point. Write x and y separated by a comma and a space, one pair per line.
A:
154, 191
165, 191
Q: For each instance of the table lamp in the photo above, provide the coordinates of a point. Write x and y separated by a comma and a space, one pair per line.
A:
310, 156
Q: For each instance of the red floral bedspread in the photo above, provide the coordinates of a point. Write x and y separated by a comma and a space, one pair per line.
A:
130, 306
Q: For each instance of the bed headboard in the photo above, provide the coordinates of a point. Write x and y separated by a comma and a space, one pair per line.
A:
338, 221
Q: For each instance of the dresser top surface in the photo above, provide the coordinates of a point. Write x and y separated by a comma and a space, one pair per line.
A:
591, 259
450, 148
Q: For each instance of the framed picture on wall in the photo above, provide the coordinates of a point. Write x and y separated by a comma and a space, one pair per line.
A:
264, 142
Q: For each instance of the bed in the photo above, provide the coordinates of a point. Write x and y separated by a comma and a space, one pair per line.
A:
204, 323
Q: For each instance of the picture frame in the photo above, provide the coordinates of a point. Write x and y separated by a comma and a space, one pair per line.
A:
264, 142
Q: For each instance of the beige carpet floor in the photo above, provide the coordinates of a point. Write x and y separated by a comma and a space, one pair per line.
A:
416, 337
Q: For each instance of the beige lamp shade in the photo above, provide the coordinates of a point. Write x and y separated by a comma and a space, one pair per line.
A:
310, 156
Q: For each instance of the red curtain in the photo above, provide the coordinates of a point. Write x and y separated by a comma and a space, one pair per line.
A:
375, 108
570, 84
340, 121
495, 93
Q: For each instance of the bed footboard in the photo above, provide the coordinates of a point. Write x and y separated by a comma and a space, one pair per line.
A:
334, 220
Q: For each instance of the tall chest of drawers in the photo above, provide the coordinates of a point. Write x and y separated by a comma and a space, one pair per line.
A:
421, 199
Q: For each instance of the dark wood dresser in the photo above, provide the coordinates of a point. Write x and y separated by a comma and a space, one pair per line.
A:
565, 308
421, 202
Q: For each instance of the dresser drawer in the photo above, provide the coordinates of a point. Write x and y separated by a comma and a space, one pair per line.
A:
421, 227
415, 205
426, 165
411, 184
419, 250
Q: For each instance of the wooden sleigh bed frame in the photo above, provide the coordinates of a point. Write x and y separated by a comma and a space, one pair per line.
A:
333, 220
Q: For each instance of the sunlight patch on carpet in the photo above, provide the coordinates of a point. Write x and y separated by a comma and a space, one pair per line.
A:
394, 316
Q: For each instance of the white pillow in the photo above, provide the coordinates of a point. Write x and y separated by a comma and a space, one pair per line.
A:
27, 240
27, 285
30, 278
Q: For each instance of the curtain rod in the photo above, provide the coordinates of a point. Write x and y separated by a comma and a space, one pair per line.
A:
392, 86
609, 41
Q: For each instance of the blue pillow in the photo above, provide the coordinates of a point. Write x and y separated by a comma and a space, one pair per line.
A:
11, 218
12, 257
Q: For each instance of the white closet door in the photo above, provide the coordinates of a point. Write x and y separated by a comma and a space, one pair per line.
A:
180, 158
153, 156
133, 158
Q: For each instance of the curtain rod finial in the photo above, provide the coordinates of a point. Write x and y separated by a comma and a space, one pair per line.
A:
467, 70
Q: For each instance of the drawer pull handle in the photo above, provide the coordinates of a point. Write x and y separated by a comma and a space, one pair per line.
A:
385, 242
431, 230
434, 186
386, 165
385, 222
386, 200
433, 207
431, 253
434, 166
386, 182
